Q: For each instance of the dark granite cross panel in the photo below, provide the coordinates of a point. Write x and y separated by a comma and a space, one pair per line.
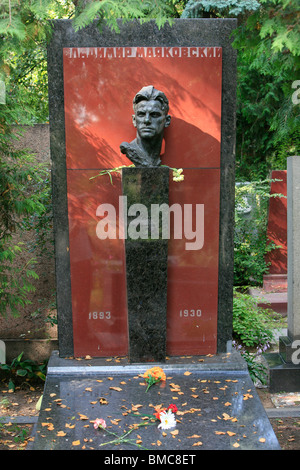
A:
146, 263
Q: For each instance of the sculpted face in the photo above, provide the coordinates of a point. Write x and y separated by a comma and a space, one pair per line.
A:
150, 119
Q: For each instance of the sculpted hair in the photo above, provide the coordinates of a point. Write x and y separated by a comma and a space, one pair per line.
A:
150, 93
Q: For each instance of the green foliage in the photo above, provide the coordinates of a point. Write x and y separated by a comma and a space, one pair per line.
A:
257, 370
24, 368
268, 65
250, 241
111, 10
253, 326
20, 178
215, 9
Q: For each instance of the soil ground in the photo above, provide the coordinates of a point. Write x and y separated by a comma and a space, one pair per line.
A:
23, 400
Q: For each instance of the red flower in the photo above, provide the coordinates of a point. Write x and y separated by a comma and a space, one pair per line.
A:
173, 408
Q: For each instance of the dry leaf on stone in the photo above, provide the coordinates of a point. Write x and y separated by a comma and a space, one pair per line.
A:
117, 389
103, 401
199, 443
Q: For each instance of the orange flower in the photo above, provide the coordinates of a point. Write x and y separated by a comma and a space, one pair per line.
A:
158, 411
154, 375
156, 372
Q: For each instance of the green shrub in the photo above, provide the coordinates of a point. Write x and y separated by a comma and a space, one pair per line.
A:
250, 241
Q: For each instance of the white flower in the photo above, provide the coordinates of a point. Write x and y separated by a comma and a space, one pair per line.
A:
167, 419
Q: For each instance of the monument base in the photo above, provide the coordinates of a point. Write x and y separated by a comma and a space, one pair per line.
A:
284, 376
218, 407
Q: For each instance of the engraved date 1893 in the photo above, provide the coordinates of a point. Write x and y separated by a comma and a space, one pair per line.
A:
99, 315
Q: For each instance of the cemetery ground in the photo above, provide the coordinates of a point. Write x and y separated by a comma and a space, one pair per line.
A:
18, 414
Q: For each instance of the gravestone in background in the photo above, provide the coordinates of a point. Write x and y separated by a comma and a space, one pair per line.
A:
276, 279
93, 78
284, 367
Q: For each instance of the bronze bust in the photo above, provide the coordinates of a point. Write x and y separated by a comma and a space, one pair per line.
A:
150, 118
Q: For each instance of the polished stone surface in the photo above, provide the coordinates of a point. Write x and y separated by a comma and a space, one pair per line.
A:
218, 409
146, 264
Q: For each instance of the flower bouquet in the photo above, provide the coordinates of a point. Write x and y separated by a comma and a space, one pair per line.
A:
153, 376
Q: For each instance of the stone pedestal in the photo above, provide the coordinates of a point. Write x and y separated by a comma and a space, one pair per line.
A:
146, 248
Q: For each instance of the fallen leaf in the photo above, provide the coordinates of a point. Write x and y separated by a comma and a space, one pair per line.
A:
88, 389
135, 407
82, 417
76, 443
187, 373
103, 401
194, 436
93, 402
230, 433
174, 433
52, 395
219, 432
61, 433
199, 443
158, 443
226, 416
70, 426
236, 444
227, 403
117, 389
262, 439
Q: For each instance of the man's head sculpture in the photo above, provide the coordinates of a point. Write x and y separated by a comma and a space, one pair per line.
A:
148, 93
150, 118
